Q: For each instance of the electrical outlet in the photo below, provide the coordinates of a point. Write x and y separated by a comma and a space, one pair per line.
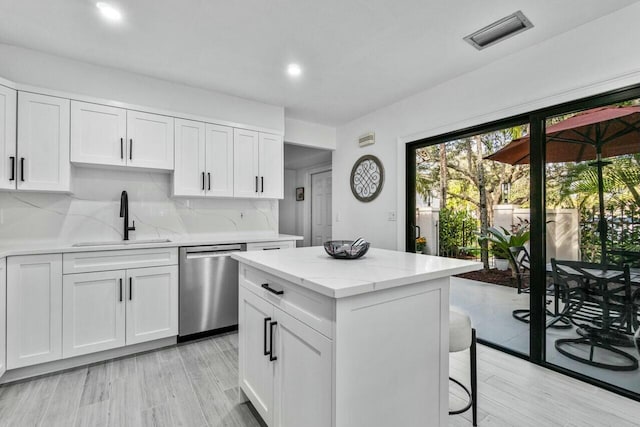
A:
391, 216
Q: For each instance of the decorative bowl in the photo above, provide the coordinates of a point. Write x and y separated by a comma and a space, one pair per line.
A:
344, 249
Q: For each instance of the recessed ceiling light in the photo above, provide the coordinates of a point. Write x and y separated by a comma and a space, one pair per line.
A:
109, 12
294, 70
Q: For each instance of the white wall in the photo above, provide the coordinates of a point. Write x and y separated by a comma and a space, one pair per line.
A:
309, 134
591, 59
52, 72
287, 206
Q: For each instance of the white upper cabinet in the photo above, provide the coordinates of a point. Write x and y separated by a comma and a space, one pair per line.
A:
271, 166
258, 164
219, 163
8, 170
189, 173
246, 170
98, 134
150, 140
43, 143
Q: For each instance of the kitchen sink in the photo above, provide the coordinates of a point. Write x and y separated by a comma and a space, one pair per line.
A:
121, 242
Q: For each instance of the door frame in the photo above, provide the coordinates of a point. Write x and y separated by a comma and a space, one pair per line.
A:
537, 120
310, 217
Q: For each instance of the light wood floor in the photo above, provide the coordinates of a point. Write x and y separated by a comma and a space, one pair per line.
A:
196, 385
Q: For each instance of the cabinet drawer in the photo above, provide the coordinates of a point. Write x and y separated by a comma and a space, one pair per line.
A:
84, 262
267, 246
311, 308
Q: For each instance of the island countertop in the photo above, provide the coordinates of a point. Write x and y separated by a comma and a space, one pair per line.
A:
379, 269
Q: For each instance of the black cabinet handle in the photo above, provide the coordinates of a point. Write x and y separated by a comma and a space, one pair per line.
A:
209, 175
13, 168
122, 148
271, 356
262, 184
266, 286
256, 184
130, 288
22, 169
202, 181
120, 290
266, 352
131, 149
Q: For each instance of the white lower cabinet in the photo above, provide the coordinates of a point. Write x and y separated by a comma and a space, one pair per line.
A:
152, 303
34, 309
3, 316
111, 309
282, 360
94, 312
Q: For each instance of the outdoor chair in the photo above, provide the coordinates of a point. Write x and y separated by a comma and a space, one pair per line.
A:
522, 267
599, 300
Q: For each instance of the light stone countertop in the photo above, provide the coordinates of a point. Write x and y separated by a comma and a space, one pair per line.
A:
36, 247
379, 269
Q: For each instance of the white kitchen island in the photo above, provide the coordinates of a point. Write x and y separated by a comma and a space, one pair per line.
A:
345, 343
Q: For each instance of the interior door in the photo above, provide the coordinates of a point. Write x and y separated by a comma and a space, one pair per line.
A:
219, 152
93, 312
150, 140
255, 369
320, 208
245, 163
271, 166
304, 358
34, 309
189, 173
8, 107
43, 143
98, 134
152, 303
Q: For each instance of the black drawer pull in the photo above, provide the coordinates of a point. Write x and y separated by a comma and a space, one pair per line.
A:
22, 169
273, 291
13, 168
266, 352
271, 356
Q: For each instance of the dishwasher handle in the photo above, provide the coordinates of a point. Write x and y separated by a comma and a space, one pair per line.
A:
209, 254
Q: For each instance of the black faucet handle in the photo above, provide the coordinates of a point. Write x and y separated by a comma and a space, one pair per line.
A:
133, 226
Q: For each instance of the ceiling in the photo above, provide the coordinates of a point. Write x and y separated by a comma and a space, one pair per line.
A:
299, 157
356, 55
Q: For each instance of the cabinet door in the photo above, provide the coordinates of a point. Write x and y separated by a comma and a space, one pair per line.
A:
245, 163
219, 152
304, 359
93, 312
34, 309
152, 303
98, 133
3, 316
43, 143
8, 164
150, 140
255, 369
271, 166
189, 173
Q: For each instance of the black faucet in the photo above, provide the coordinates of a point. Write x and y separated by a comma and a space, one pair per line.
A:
124, 213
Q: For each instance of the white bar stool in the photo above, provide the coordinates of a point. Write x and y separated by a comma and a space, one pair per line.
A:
461, 337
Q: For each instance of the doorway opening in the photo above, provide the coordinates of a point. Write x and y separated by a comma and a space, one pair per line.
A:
307, 194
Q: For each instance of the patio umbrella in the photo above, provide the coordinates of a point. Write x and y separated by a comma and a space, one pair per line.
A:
590, 135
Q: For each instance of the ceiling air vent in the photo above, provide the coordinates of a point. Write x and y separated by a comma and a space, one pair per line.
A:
367, 139
500, 30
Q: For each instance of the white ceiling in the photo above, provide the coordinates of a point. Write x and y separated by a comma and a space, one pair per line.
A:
299, 157
357, 55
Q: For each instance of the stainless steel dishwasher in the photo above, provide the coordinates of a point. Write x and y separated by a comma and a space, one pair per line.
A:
208, 289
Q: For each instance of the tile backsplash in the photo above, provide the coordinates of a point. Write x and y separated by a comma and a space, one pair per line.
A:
92, 211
